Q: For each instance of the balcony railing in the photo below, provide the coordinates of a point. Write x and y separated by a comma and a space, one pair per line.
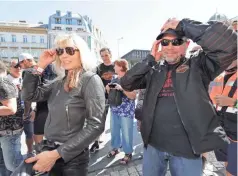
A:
21, 44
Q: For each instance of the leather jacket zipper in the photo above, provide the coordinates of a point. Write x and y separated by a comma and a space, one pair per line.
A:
67, 114
183, 123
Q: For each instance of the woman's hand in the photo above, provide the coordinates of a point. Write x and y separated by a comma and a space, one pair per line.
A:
44, 161
46, 58
118, 86
222, 100
107, 88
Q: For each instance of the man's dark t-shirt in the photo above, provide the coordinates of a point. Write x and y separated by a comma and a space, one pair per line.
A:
168, 133
47, 75
106, 73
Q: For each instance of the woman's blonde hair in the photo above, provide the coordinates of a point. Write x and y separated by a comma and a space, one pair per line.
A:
87, 58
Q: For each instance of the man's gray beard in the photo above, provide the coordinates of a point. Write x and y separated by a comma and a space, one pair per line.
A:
171, 60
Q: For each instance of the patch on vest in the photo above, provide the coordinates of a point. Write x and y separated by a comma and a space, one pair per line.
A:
182, 68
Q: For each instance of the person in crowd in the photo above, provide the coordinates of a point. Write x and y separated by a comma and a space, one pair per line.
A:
15, 74
11, 125
122, 116
105, 70
181, 122
224, 97
223, 92
234, 25
26, 61
40, 113
76, 102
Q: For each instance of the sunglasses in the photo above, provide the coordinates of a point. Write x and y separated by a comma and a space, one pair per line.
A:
16, 66
174, 42
69, 50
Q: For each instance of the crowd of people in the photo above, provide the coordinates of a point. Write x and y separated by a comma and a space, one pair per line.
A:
186, 106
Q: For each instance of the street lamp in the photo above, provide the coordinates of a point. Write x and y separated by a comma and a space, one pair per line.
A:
118, 42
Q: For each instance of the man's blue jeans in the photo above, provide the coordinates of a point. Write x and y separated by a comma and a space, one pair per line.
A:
155, 163
122, 133
10, 154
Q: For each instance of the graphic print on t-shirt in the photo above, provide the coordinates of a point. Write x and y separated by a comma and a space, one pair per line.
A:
167, 90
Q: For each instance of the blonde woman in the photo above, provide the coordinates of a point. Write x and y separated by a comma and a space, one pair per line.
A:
76, 101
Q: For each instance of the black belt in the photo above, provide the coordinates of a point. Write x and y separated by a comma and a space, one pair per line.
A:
47, 145
10, 132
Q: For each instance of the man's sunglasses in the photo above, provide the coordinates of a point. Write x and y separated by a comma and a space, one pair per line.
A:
174, 42
69, 50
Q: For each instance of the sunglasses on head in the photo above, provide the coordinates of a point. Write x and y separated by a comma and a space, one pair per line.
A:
69, 50
174, 42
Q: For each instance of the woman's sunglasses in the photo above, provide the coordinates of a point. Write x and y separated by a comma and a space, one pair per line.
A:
174, 42
69, 50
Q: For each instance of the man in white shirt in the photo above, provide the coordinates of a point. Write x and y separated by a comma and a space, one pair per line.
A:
26, 61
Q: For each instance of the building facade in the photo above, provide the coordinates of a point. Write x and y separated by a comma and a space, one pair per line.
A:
135, 56
75, 23
18, 37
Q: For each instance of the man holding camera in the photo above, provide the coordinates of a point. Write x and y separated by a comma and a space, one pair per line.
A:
181, 122
105, 70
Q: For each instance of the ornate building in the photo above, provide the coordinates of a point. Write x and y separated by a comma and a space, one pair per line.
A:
135, 56
218, 17
17, 37
82, 25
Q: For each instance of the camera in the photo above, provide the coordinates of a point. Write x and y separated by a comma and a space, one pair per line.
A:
112, 85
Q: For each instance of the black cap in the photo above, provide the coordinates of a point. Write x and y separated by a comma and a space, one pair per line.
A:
169, 31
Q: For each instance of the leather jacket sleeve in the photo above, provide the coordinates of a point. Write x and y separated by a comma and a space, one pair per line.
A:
218, 41
135, 78
33, 90
94, 97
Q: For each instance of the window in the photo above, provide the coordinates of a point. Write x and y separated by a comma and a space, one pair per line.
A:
33, 40
24, 39
68, 29
42, 39
57, 21
14, 38
68, 21
69, 14
2, 39
58, 28
79, 22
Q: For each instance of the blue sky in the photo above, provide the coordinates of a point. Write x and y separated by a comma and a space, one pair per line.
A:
137, 21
